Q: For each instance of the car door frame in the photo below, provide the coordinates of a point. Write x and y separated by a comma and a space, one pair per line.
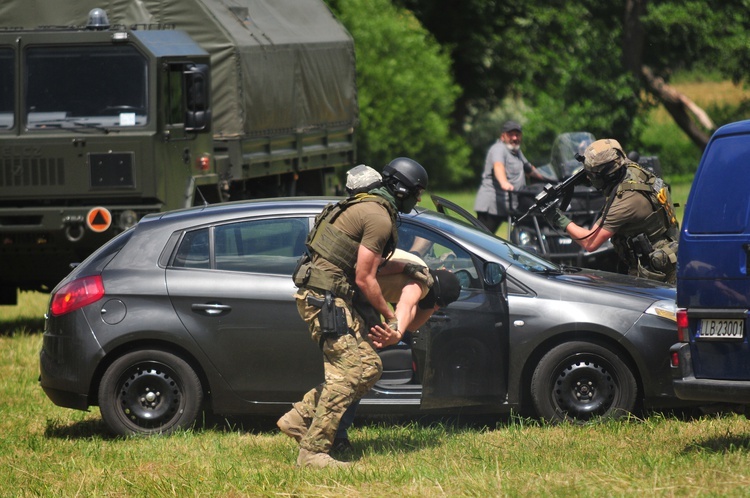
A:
465, 367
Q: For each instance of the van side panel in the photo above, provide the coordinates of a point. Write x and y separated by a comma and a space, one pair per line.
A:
712, 274
715, 239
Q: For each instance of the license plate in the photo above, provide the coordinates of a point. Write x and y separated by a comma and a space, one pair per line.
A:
715, 328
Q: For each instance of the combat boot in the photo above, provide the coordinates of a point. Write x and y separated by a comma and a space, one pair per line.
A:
294, 425
308, 458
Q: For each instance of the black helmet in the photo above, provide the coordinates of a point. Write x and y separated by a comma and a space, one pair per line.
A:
405, 178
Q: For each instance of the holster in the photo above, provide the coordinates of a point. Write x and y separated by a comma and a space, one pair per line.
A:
332, 318
642, 248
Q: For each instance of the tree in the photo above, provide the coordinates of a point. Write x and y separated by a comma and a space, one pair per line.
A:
685, 35
405, 89
598, 65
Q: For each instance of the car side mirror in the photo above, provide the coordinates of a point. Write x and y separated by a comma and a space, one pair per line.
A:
494, 274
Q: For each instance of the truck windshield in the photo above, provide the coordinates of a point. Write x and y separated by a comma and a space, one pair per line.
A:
84, 87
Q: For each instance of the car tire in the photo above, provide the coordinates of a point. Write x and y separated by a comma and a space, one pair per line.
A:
149, 392
580, 381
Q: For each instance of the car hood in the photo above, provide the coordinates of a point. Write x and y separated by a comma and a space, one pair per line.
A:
618, 284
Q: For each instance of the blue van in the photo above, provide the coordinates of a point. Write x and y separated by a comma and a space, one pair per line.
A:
712, 360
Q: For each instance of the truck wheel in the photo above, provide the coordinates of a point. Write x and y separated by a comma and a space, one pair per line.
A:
579, 381
149, 392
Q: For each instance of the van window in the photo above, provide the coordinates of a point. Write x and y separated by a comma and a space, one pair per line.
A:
721, 191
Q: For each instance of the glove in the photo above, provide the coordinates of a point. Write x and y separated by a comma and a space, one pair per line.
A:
419, 273
556, 218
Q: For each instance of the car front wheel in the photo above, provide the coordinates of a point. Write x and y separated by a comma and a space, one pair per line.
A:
579, 381
149, 392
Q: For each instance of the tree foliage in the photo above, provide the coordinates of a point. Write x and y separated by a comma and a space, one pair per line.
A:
580, 65
435, 75
406, 91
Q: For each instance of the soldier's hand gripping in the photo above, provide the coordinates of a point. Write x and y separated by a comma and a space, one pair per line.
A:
556, 218
419, 273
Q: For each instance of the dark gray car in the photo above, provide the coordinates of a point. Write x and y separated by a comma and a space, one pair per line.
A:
194, 309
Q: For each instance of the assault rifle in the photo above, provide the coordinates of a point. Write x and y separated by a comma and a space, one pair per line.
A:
545, 200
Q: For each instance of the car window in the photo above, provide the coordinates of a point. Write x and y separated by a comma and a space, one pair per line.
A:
194, 250
260, 246
439, 252
514, 255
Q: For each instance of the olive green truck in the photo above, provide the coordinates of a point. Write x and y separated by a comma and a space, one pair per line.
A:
113, 109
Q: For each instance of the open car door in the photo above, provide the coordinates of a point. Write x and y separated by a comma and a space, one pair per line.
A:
456, 212
462, 350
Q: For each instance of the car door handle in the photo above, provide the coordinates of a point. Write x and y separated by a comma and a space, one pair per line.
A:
439, 317
211, 309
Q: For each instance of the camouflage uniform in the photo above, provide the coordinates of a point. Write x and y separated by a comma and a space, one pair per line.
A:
352, 366
646, 230
351, 363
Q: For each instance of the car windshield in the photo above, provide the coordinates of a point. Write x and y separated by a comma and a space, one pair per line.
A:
514, 255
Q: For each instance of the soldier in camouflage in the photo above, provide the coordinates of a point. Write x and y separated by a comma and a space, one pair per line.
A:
638, 214
350, 241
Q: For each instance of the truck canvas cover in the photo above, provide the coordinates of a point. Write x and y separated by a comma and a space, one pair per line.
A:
278, 66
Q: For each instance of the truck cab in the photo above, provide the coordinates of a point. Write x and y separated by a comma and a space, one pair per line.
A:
712, 360
85, 114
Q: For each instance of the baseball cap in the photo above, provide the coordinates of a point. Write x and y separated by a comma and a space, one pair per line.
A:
511, 125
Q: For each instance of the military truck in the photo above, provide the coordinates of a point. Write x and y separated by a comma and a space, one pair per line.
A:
112, 109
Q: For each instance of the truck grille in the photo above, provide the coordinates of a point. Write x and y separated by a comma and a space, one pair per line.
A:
37, 172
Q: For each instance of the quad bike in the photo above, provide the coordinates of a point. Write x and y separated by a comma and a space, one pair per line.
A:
532, 232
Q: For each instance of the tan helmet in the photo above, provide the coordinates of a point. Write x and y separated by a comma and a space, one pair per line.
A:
603, 160
362, 178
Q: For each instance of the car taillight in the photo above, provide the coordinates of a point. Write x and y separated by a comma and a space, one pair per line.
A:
77, 294
675, 359
682, 325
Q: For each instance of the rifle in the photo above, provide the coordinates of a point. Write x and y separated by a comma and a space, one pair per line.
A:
545, 200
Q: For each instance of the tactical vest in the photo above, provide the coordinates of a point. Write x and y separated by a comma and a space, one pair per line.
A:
657, 254
336, 247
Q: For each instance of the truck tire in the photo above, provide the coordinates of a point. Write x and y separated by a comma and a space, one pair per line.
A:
148, 392
579, 381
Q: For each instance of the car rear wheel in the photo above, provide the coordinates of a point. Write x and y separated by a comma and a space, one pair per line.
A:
579, 381
149, 392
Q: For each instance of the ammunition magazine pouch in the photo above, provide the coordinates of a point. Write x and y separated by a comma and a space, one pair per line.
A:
664, 256
332, 318
301, 274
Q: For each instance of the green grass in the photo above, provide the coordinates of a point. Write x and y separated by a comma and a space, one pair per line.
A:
51, 451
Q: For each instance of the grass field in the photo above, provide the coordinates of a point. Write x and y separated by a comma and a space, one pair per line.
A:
50, 451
